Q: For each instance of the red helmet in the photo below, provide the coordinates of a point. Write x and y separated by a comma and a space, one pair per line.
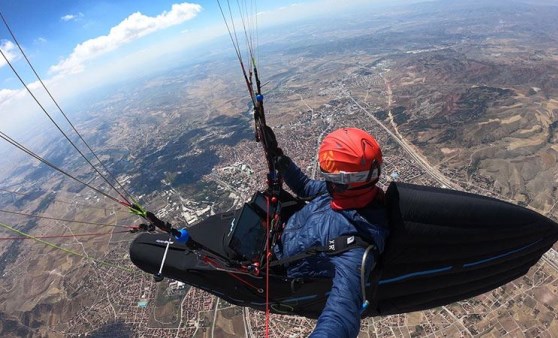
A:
350, 156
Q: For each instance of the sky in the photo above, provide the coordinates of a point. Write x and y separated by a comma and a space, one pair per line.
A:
77, 45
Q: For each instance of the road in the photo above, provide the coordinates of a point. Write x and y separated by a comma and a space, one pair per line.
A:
181, 316
247, 327
315, 166
416, 156
214, 316
548, 257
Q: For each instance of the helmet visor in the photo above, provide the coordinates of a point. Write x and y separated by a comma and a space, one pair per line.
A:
344, 177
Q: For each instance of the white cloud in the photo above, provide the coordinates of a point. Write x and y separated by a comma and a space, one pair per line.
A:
18, 108
71, 17
8, 49
9, 95
9, 103
6, 94
133, 27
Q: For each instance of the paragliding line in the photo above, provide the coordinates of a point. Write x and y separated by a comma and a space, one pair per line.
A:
65, 236
60, 129
267, 254
68, 251
274, 181
57, 200
61, 111
29, 152
214, 264
64, 220
239, 55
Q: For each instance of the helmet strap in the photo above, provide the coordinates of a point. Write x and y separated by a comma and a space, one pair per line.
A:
373, 166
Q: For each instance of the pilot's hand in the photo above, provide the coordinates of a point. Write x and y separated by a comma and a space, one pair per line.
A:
282, 162
271, 142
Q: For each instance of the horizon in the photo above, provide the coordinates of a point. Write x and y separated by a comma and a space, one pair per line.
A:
79, 47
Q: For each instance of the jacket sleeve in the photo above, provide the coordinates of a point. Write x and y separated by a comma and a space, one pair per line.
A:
341, 315
301, 184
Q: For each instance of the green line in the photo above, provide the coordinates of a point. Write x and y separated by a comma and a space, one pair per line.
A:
71, 252
137, 209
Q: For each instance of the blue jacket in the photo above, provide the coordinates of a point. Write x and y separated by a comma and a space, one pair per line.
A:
315, 225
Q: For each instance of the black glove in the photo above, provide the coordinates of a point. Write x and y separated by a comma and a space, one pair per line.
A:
282, 162
271, 142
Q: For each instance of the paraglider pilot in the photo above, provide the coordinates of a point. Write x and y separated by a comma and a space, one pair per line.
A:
348, 203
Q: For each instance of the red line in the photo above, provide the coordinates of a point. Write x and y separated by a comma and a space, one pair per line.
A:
213, 264
125, 203
267, 274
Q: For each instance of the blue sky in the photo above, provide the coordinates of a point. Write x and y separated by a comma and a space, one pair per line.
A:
63, 37
77, 44
50, 30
